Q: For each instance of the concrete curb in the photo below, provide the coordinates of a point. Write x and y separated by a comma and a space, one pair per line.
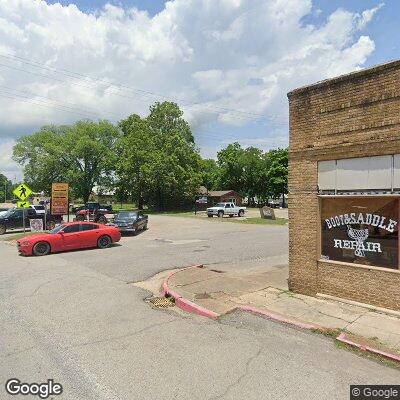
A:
185, 304
189, 306
344, 339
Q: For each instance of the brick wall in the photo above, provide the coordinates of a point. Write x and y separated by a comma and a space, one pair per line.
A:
353, 115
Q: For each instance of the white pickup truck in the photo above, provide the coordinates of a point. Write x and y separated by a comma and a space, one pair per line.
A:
222, 209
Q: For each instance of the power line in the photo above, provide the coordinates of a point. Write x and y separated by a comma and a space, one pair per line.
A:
211, 108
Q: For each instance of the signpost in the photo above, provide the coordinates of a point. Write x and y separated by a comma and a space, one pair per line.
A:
59, 199
23, 191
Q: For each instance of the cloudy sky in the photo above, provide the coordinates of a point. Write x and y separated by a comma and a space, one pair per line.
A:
227, 63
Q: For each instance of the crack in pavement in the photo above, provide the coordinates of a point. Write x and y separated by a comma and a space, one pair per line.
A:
241, 377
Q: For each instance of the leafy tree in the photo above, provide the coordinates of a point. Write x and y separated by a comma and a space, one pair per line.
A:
209, 173
253, 173
5, 188
166, 118
231, 163
82, 155
277, 173
158, 163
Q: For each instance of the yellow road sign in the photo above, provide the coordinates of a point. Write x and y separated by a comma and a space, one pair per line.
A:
23, 204
22, 191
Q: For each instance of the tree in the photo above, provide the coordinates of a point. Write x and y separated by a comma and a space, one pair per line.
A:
277, 173
158, 162
5, 188
209, 173
82, 155
231, 163
166, 118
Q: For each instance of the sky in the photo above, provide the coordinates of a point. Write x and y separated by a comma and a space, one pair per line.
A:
228, 63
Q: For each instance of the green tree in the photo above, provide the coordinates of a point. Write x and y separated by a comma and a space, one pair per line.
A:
277, 173
231, 164
82, 155
158, 162
210, 173
6, 188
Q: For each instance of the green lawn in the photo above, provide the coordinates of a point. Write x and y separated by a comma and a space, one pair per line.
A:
250, 220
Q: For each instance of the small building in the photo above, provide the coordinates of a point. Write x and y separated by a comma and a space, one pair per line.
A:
103, 195
344, 187
225, 196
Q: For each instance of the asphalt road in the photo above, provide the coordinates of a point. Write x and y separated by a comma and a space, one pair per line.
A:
74, 318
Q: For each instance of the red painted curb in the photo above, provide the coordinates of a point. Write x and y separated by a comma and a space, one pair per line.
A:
279, 318
185, 304
191, 307
344, 339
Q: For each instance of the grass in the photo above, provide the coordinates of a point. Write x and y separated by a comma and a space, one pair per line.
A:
250, 220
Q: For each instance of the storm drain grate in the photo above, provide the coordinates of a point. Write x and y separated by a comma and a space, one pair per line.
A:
161, 302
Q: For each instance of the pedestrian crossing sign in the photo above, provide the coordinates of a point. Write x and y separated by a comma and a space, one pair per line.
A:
22, 191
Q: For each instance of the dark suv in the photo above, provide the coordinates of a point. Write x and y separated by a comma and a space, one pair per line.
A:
13, 219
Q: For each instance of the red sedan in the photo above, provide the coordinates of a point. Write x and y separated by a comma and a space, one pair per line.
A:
70, 236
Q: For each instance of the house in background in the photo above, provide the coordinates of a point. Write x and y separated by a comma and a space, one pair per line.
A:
220, 196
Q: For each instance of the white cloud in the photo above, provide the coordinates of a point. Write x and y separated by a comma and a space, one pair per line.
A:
220, 55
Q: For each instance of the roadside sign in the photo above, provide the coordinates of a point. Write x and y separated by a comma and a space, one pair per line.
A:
22, 191
59, 199
36, 225
23, 204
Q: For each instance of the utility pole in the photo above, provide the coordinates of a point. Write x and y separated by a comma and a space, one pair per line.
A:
5, 191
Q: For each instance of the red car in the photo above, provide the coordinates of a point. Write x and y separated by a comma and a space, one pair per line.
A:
70, 236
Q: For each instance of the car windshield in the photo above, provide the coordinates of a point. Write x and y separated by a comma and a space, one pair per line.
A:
220, 205
57, 229
127, 215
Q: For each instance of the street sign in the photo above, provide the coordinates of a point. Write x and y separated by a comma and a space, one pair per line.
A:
22, 191
23, 204
59, 199
36, 225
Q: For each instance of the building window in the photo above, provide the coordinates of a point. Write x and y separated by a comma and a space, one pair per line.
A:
361, 230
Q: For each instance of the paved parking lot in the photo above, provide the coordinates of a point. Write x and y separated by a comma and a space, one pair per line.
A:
172, 242
73, 318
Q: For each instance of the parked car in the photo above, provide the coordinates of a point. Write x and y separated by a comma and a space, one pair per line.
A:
222, 209
40, 209
3, 211
13, 219
69, 236
131, 221
92, 207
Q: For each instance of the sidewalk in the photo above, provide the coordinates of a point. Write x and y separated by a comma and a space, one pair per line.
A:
217, 293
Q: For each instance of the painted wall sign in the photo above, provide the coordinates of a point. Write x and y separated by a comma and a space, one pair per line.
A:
368, 236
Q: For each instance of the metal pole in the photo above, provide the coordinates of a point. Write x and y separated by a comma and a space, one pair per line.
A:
23, 218
45, 216
5, 191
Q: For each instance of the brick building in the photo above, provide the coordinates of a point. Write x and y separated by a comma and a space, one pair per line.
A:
344, 187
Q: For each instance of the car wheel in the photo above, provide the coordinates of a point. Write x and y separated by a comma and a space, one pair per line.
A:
50, 225
104, 242
102, 220
209, 216
41, 249
241, 213
2, 229
220, 214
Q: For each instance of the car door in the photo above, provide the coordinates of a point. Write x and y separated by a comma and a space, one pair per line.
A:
71, 237
140, 220
89, 235
228, 209
15, 219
